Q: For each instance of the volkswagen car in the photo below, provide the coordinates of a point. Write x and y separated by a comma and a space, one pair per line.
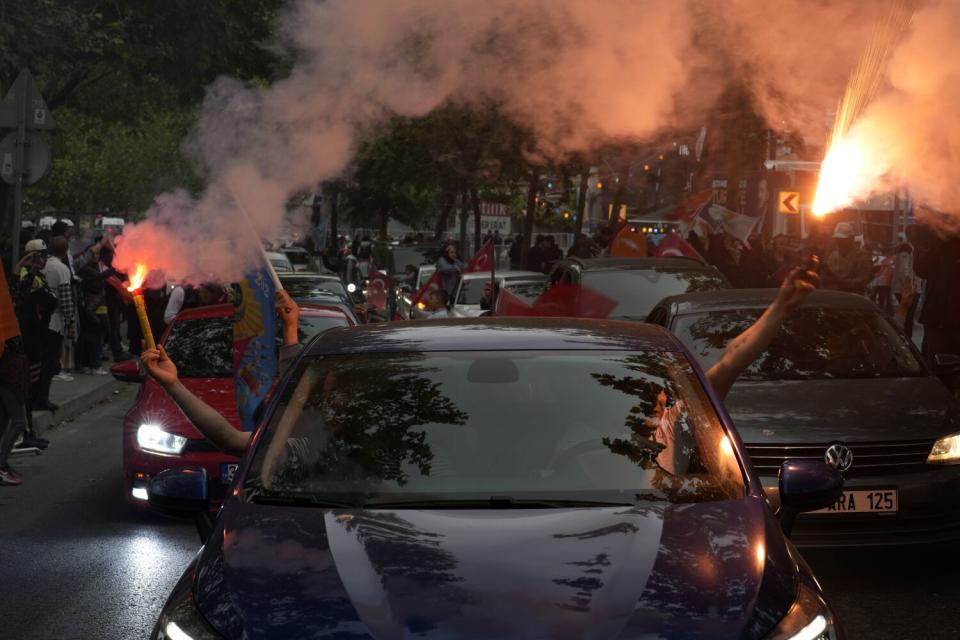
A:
840, 383
507, 478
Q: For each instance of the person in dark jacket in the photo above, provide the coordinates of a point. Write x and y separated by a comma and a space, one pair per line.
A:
450, 269
937, 260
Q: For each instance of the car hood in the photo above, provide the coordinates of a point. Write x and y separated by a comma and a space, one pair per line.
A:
670, 571
818, 411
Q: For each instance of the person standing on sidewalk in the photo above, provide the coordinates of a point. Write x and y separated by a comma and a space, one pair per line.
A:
62, 321
14, 389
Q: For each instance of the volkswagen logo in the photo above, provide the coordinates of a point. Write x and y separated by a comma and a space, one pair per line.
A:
839, 457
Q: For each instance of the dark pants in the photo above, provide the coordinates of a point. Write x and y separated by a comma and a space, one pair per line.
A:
114, 316
93, 331
13, 421
53, 344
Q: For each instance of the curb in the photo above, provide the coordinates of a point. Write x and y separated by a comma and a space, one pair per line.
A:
43, 421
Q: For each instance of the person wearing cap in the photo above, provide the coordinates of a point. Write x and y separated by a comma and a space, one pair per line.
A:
847, 267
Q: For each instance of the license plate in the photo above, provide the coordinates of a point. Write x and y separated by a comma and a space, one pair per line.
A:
227, 471
865, 501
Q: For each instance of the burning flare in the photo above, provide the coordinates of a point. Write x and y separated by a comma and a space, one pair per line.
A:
138, 277
843, 176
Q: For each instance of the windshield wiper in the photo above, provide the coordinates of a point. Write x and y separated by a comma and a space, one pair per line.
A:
286, 499
495, 502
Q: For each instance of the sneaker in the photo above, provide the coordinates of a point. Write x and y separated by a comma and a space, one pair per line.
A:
8, 477
100, 372
46, 406
33, 443
64, 377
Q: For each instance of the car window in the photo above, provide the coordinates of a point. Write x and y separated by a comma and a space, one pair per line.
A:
471, 290
402, 255
814, 343
202, 348
310, 326
281, 265
564, 425
424, 275
637, 291
527, 291
307, 288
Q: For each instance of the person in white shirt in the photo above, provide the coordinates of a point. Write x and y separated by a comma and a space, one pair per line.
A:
62, 322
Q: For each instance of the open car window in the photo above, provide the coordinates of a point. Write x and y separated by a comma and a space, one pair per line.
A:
553, 425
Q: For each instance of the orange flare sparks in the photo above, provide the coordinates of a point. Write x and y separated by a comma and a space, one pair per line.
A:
138, 277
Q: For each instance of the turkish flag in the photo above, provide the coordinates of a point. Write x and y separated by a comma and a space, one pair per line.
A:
430, 285
378, 284
566, 300
483, 260
509, 304
673, 246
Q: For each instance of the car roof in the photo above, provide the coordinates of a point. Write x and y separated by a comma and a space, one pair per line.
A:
730, 299
495, 334
224, 310
599, 264
309, 275
506, 273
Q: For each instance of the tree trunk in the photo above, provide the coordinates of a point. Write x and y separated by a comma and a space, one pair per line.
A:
333, 239
464, 207
581, 201
384, 221
477, 230
532, 189
442, 220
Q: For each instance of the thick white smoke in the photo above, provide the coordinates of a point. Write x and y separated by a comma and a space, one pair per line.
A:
576, 73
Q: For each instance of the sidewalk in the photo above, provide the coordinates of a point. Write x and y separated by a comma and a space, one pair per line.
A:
75, 398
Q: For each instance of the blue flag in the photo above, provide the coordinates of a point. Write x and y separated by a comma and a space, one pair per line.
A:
254, 342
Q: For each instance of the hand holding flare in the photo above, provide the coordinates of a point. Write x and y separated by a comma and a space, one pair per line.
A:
136, 281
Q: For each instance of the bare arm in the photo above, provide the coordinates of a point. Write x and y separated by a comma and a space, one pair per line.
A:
748, 346
205, 418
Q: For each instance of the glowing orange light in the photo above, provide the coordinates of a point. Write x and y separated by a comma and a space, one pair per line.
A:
725, 446
843, 175
761, 553
646, 167
138, 277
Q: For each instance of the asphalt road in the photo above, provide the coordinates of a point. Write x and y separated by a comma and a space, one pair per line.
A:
76, 562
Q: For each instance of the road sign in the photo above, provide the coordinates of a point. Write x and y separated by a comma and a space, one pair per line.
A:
37, 113
788, 202
36, 158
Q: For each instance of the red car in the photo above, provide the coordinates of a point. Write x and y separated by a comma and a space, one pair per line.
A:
156, 434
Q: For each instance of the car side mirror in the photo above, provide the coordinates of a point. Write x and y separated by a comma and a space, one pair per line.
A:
181, 492
946, 364
127, 371
806, 485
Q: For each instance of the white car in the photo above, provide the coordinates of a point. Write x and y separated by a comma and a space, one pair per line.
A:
280, 262
525, 284
299, 257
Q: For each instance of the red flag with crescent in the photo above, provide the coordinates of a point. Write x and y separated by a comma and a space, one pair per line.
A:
378, 285
429, 285
483, 259
510, 304
673, 246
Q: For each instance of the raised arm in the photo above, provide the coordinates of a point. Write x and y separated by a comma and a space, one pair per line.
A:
205, 418
747, 347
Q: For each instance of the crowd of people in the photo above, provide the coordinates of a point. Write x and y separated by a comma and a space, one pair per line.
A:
71, 305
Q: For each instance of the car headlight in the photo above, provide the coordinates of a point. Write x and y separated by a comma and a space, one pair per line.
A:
153, 438
181, 620
808, 619
946, 450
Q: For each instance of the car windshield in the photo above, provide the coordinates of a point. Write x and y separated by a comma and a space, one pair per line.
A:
202, 348
637, 291
308, 288
527, 291
814, 343
471, 290
613, 426
297, 257
280, 265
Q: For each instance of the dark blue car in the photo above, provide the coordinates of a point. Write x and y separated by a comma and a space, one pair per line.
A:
498, 478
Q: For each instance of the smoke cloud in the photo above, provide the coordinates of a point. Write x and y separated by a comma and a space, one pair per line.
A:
576, 73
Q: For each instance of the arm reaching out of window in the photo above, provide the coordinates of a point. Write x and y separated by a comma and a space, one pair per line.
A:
748, 346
